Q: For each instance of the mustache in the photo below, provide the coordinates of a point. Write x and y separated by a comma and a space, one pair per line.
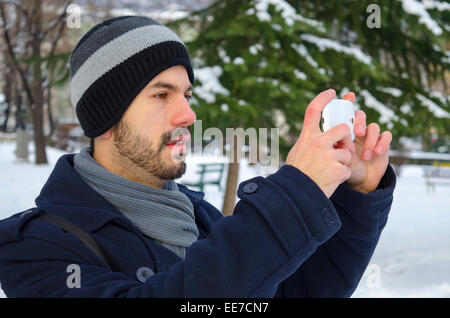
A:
175, 134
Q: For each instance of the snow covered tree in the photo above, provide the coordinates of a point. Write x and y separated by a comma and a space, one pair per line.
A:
259, 63
409, 48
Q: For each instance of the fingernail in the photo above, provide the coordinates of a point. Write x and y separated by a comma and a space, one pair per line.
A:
360, 129
331, 91
379, 149
366, 155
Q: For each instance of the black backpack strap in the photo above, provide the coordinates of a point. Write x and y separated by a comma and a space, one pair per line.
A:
84, 237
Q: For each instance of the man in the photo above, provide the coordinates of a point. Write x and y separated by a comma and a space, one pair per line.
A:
308, 230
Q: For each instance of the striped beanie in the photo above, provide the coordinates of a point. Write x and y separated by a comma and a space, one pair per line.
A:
113, 62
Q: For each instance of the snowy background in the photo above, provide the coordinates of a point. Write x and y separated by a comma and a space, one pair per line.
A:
412, 258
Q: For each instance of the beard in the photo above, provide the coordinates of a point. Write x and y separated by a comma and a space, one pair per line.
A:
143, 154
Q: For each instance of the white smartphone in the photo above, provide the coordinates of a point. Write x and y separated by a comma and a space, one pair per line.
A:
338, 111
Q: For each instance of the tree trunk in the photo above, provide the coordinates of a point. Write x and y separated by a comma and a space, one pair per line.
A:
4, 125
425, 141
22, 140
230, 193
38, 98
49, 112
20, 123
39, 138
232, 181
7, 101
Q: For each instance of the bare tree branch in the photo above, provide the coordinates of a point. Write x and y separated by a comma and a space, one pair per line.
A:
58, 21
54, 43
19, 5
12, 55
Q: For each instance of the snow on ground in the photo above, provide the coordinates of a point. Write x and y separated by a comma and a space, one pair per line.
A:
413, 254
412, 258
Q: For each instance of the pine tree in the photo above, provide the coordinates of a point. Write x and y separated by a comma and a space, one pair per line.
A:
269, 58
410, 50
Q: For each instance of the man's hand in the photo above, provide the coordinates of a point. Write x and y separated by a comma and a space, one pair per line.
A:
370, 156
314, 152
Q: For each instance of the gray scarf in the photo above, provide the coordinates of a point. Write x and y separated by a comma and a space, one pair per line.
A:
165, 215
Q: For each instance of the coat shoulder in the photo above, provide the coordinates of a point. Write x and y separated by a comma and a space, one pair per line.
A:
12, 227
24, 229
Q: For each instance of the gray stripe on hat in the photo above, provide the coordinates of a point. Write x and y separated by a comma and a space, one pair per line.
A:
103, 35
115, 52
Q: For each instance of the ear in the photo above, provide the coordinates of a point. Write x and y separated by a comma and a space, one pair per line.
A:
106, 135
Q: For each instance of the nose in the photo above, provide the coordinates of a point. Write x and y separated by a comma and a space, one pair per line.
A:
184, 115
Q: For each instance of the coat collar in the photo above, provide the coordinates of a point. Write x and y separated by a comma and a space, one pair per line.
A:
66, 194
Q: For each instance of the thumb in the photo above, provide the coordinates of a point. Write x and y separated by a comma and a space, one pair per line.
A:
350, 146
311, 123
338, 134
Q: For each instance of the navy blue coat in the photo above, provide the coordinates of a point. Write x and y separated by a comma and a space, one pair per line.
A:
285, 239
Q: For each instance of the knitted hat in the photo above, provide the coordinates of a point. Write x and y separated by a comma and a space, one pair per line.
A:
113, 62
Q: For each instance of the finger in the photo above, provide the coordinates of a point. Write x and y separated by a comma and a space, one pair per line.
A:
344, 144
346, 173
343, 156
360, 123
349, 96
373, 132
340, 133
314, 110
383, 143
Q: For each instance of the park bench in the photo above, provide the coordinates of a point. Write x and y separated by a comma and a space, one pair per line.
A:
437, 174
209, 173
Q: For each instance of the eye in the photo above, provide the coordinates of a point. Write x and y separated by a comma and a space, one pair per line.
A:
188, 97
160, 95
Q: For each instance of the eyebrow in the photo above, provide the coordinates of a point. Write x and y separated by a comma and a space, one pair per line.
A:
168, 86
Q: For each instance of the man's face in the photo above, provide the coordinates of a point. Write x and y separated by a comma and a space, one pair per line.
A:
145, 134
